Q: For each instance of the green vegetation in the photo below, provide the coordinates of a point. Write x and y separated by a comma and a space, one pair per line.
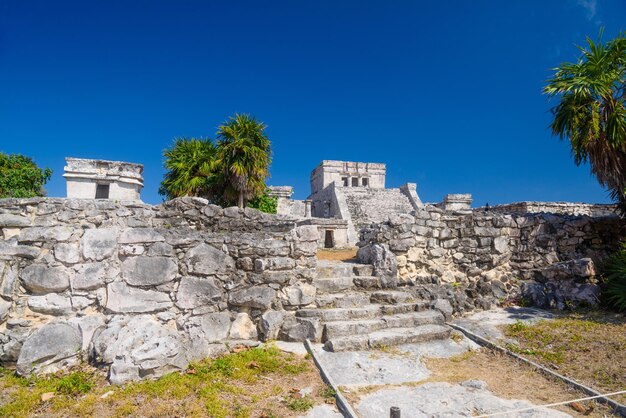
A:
251, 382
233, 171
20, 176
264, 203
615, 279
591, 112
587, 346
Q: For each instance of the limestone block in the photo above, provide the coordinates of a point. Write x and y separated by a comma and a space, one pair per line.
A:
501, 244
270, 324
149, 271
194, 292
300, 294
8, 220
243, 328
161, 249
5, 308
40, 279
205, 260
53, 347
307, 233
140, 235
45, 234
215, 326
8, 249
124, 299
8, 279
259, 297
50, 304
67, 253
98, 244
443, 306
90, 276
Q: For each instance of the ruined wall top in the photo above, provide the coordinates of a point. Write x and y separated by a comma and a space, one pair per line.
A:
348, 174
102, 179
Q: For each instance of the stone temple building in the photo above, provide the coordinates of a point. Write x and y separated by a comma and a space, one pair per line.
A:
102, 179
346, 196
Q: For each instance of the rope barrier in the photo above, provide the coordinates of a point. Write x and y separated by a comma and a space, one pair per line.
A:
551, 404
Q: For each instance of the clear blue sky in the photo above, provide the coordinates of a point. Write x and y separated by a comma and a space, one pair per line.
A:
447, 93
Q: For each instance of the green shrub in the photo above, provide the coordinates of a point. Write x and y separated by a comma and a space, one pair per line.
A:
264, 203
615, 278
74, 384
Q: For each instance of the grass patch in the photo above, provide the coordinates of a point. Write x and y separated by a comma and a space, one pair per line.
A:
587, 346
250, 383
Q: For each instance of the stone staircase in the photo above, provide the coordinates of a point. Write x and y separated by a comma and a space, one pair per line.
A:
356, 313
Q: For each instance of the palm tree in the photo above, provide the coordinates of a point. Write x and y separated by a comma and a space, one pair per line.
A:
243, 158
591, 112
191, 169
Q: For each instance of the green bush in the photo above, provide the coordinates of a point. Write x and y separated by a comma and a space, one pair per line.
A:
615, 278
264, 203
20, 176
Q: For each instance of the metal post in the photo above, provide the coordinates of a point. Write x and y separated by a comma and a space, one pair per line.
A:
394, 412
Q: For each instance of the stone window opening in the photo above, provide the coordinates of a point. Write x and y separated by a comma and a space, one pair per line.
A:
102, 191
355, 182
345, 181
364, 182
329, 239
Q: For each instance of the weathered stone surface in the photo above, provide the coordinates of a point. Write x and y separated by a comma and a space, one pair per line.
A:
13, 250
51, 348
216, 326
443, 306
270, 324
140, 235
139, 347
38, 278
8, 279
5, 307
90, 276
8, 220
98, 244
67, 253
205, 260
87, 326
299, 294
149, 271
383, 260
50, 304
259, 297
194, 292
243, 328
125, 299
45, 234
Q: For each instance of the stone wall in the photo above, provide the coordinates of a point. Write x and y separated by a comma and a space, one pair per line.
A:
563, 208
548, 258
145, 289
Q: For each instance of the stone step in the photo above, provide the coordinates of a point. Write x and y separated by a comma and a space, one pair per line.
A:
363, 269
389, 337
364, 312
391, 296
333, 284
334, 329
342, 300
330, 269
367, 282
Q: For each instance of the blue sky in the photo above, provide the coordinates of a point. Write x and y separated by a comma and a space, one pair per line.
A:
447, 93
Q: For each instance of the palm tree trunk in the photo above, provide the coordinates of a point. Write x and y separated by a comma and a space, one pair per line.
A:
240, 204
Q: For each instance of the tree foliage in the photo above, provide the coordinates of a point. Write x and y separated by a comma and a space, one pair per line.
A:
20, 176
591, 112
231, 171
243, 158
615, 279
264, 203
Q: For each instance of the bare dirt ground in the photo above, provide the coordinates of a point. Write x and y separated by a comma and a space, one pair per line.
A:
348, 254
510, 379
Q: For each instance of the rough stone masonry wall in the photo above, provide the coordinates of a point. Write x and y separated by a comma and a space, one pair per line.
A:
145, 289
479, 258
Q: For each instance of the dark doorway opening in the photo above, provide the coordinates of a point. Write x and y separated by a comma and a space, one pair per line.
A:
102, 191
329, 240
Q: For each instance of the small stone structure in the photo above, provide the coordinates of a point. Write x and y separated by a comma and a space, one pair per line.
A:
287, 206
348, 174
102, 179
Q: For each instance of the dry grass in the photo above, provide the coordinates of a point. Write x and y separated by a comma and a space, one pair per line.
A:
509, 379
260, 382
587, 347
348, 254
